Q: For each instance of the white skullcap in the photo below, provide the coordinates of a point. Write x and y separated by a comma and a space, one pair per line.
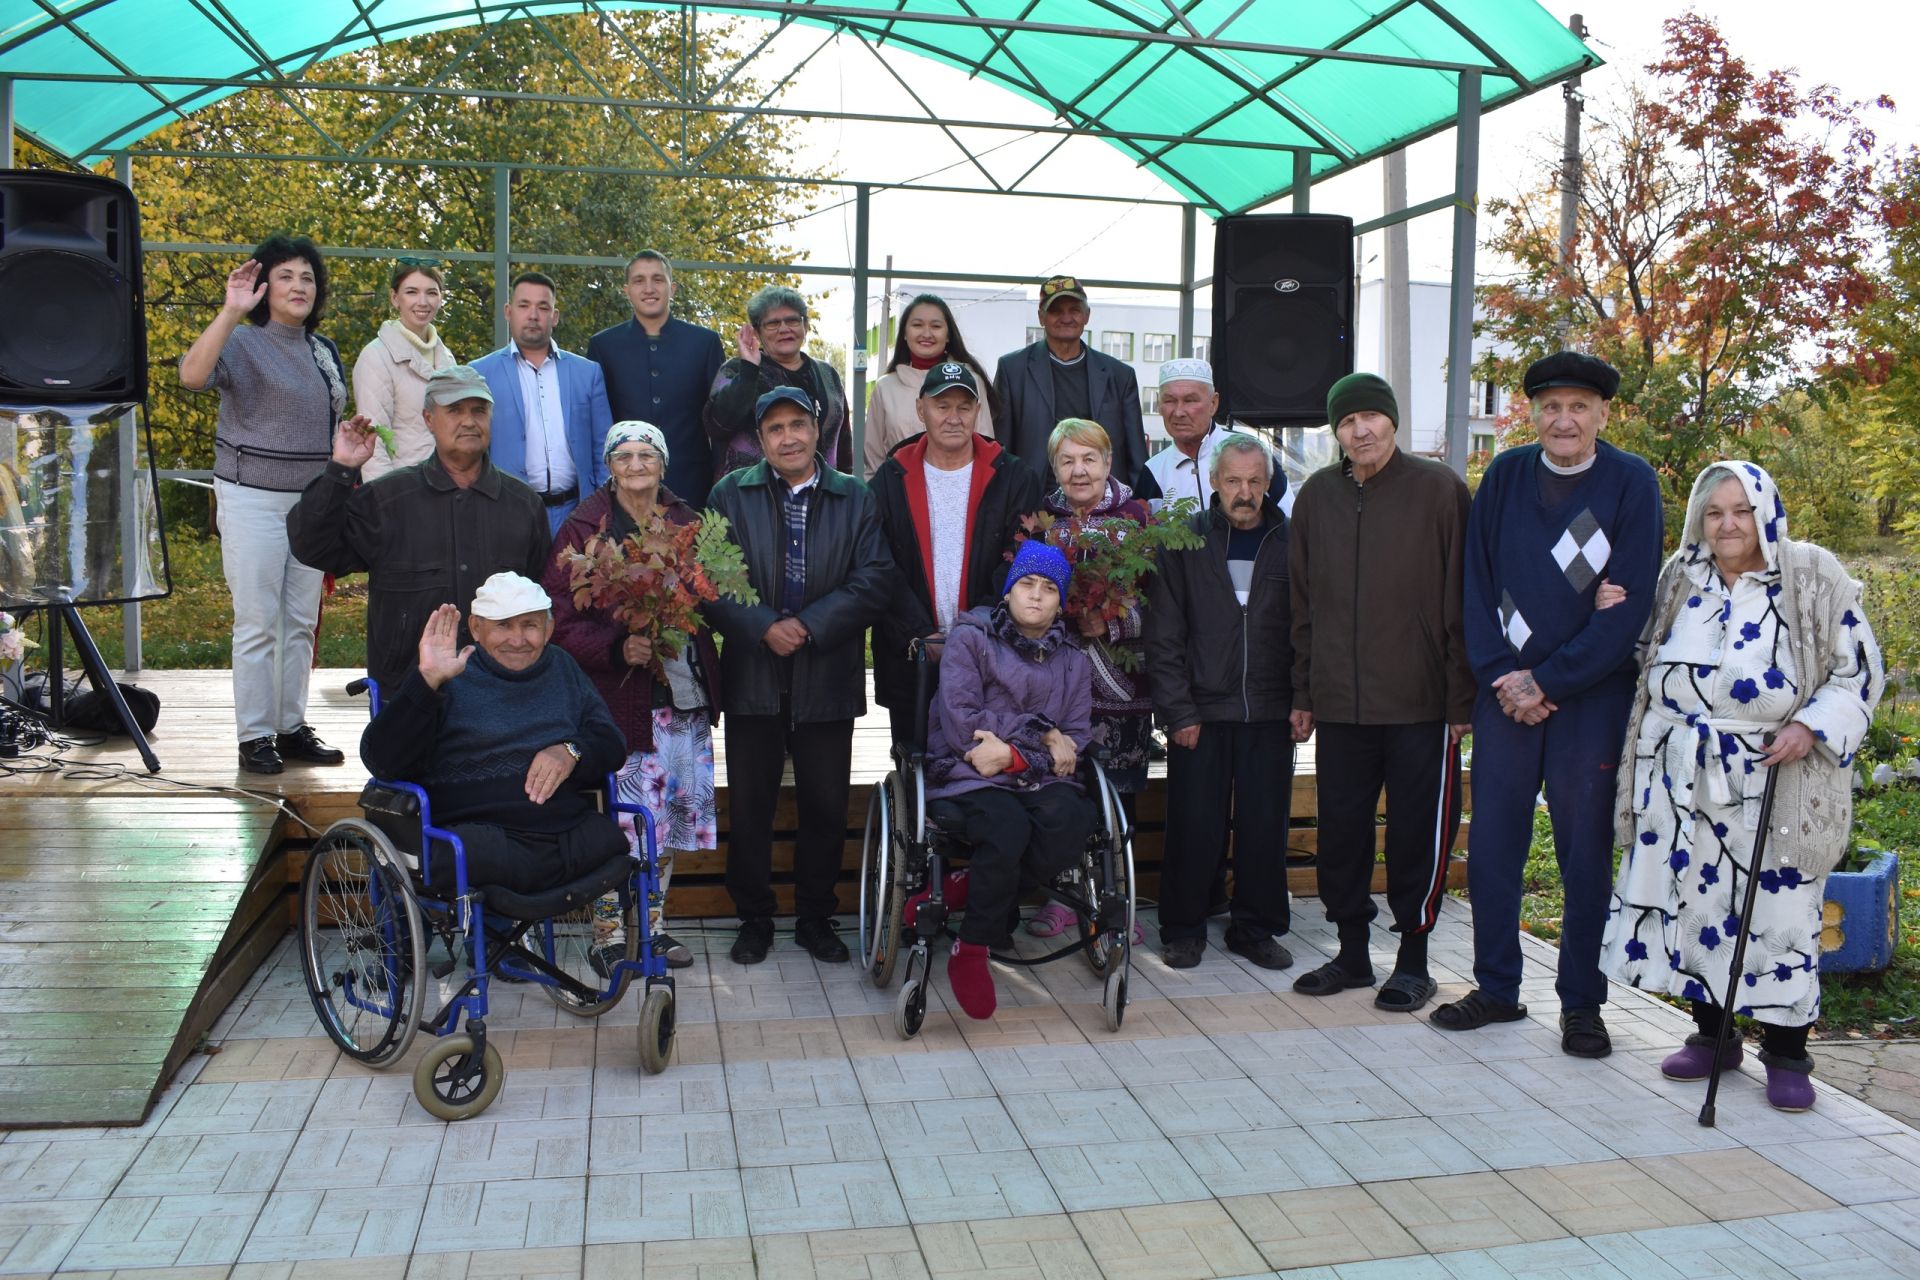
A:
1186, 369
508, 595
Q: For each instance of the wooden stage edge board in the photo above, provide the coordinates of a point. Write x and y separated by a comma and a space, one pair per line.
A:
134, 907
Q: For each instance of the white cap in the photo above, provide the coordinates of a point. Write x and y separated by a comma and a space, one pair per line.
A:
1186, 369
508, 595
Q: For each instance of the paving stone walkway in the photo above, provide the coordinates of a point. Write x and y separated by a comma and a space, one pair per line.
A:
1230, 1129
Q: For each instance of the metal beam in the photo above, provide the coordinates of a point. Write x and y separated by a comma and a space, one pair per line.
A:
1189, 234
130, 548
1466, 190
502, 251
1302, 182
6, 122
1399, 216
862, 226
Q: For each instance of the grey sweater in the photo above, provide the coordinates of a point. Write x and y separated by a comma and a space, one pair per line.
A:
276, 409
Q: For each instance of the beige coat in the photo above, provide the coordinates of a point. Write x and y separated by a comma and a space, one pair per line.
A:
891, 417
390, 386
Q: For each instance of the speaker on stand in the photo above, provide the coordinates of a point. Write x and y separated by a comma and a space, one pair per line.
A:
1282, 315
73, 381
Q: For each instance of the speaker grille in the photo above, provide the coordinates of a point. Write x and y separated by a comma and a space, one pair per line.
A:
1282, 314
65, 323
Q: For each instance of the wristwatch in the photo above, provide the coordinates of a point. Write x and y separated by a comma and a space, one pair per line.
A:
573, 750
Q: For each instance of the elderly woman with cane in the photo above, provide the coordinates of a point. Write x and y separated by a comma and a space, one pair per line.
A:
1757, 661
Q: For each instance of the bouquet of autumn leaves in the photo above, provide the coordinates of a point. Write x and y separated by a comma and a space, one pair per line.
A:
1111, 558
654, 580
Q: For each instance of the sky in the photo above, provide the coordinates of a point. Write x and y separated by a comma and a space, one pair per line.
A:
1031, 238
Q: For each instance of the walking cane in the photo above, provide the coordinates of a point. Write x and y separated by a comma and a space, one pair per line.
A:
1740, 942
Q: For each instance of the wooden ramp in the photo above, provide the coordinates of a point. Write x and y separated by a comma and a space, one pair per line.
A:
132, 908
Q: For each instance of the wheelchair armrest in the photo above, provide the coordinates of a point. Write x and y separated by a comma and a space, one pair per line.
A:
357, 687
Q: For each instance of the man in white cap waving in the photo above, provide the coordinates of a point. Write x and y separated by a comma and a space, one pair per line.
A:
504, 734
1188, 403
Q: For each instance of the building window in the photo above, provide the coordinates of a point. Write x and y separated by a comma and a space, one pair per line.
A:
1156, 348
1117, 345
1481, 443
1149, 400
1203, 348
1486, 399
1034, 334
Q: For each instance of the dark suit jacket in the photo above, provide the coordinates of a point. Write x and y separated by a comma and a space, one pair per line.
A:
1024, 381
664, 381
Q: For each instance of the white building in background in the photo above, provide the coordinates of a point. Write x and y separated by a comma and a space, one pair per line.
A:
996, 321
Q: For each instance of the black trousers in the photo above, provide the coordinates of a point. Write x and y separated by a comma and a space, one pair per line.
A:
1421, 771
1238, 780
1039, 833
758, 748
527, 862
1781, 1042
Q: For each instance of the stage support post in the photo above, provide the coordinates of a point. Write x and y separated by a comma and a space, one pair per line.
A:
502, 251
1303, 182
1466, 200
862, 225
6, 122
1189, 234
130, 456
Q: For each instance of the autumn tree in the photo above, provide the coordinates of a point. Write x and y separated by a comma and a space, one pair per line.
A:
1882, 398
1723, 239
560, 206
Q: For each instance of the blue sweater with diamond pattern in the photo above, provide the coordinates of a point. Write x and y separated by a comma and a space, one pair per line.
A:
1532, 571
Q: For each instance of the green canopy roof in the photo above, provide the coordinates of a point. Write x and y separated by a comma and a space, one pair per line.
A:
1208, 94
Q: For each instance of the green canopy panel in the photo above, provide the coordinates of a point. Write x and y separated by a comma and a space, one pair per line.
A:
1342, 80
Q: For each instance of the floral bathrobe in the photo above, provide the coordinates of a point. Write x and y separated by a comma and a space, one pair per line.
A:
1722, 677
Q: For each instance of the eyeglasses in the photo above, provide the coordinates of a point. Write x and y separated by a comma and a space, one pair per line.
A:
633, 458
784, 322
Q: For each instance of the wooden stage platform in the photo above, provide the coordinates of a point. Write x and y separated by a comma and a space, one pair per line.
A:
134, 906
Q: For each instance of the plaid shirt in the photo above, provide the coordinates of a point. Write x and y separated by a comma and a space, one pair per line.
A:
795, 501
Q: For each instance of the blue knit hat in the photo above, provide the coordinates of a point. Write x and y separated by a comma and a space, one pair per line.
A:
1038, 557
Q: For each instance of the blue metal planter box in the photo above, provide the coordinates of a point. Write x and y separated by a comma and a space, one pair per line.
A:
1860, 920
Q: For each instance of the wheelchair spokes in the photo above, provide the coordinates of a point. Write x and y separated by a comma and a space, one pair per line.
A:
363, 949
586, 945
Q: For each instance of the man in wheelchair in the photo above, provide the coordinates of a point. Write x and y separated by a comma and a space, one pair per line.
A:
1004, 738
505, 740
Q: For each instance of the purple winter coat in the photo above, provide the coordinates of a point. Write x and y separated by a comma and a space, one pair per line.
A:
992, 677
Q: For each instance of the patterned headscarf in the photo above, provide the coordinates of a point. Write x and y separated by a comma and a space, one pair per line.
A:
633, 431
1769, 514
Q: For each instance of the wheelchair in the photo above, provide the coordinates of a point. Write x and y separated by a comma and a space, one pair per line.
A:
369, 921
904, 852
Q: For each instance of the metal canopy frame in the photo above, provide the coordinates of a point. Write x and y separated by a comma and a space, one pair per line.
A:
1144, 35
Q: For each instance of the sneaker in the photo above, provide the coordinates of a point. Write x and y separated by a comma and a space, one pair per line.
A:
1789, 1082
676, 953
820, 940
259, 756
753, 942
1694, 1059
971, 980
1183, 953
1473, 1011
304, 745
1051, 921
605, 955
1262, 948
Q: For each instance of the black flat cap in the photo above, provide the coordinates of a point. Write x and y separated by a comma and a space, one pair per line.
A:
1572, 369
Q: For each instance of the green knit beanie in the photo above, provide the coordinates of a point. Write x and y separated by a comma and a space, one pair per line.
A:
1359, 391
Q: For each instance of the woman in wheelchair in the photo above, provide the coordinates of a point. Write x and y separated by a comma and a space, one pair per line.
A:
1006, 730
504, 740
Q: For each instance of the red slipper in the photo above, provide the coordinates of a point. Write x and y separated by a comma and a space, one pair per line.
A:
971, 980
956, 898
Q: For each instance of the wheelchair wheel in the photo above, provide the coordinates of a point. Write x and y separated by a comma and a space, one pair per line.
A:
910, 1008
882, 882
569, 943
453, 1083
1113, 996
656, 1031
362, 946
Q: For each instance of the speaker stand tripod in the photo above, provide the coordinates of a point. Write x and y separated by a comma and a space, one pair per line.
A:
97, 675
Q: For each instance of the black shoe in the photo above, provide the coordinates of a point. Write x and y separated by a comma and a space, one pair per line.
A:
1262, 948
756, 936
1183, 953
1473, 1011
258, 756
1583, 1034
1405, 992
304, 745
676, 953
1330, 979
819, 939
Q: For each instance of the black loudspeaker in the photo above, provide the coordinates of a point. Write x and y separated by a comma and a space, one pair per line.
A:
74, 325
1282, 315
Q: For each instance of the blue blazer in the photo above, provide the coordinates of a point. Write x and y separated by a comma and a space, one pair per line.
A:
583, 392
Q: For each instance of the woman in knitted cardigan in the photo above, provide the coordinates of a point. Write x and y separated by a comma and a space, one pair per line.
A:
1758, 655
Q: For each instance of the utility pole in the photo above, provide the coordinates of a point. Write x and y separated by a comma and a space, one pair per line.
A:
1570, 171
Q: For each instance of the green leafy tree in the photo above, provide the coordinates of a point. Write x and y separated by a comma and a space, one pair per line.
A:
1883, 399
1722, 244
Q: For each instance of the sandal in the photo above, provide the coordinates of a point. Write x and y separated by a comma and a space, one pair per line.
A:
1052, 920
1329, 979
1473, 1011
1405, 992
1583, 1034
